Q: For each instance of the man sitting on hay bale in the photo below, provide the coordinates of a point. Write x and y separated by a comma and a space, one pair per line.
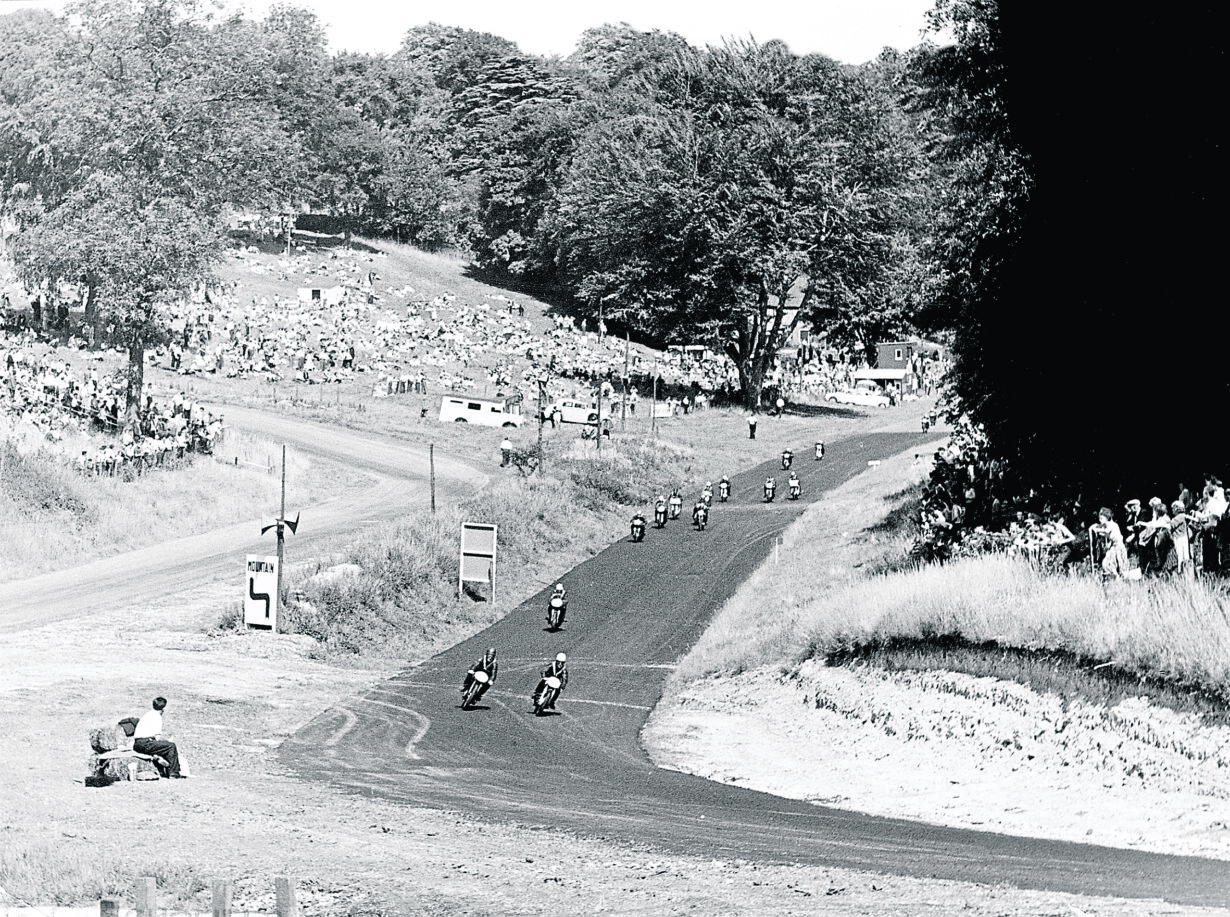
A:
147, 739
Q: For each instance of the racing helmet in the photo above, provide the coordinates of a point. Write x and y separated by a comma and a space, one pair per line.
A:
559, 587
561, 657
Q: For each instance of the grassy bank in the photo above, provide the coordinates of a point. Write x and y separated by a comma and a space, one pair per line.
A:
991, 616
52, 517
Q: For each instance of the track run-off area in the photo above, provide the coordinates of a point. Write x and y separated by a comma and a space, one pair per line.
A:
634, 609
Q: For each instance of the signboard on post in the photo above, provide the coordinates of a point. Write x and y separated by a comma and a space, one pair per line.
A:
260, 596
477, 555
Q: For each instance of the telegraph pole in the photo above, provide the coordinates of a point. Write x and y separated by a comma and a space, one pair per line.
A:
623, 407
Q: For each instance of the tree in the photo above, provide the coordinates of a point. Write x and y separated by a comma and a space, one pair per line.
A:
734, 210
1072, 273
146, 120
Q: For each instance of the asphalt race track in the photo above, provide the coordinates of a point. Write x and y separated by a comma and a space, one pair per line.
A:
633, 611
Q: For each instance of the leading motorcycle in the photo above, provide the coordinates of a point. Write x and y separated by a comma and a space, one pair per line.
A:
724, 489
659, 513
637, 527
770, 488
556, 609
479, 683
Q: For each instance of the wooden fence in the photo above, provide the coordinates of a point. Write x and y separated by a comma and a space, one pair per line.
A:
145, 900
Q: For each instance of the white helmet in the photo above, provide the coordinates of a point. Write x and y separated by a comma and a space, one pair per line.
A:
559, 586
561, 657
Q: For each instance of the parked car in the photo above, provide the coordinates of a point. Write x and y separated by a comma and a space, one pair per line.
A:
865, 392
569, 410
461, 409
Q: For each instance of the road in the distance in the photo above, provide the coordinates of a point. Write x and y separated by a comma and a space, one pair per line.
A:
399, 482
634, 610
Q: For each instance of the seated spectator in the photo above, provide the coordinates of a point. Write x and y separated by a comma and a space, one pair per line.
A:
148, 739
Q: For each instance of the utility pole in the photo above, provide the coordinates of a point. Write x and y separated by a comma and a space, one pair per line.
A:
598, 429
653, 407
542, 417
623, 407
281, 524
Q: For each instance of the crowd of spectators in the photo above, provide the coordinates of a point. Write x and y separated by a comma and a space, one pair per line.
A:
968, 508
45, 398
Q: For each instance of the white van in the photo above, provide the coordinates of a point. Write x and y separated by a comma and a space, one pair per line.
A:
462, 409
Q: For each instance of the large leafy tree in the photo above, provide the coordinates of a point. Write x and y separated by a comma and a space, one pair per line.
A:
1075, 267
738, 192
143, 120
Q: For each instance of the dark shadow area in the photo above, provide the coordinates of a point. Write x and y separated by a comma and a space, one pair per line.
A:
311, 241
559, 301
820, 410
1071, 677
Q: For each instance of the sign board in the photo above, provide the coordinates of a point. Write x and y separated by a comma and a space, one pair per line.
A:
260, 592
477, 563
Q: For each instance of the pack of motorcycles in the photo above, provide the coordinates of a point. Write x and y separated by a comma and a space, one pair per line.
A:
554, 677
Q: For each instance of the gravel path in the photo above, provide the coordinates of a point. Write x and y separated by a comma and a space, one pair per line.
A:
961, 751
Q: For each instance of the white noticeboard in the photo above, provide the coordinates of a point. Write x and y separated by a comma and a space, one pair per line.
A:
477, 563
260, 592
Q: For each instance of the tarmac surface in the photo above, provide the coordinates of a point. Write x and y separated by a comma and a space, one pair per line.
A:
633, 611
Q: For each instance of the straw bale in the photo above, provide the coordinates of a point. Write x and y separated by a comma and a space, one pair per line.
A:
104, 738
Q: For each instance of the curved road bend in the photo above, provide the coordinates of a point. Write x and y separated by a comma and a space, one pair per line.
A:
634, 610
399, 472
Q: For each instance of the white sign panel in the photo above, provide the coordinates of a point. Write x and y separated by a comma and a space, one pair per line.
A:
478, 540
260, 592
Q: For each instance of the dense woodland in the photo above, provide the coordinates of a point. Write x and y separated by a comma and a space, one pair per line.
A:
1033, 190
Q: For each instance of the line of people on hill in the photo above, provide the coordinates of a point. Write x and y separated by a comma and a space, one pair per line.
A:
41, 392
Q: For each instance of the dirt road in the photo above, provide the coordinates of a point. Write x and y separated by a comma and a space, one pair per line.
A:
399, 481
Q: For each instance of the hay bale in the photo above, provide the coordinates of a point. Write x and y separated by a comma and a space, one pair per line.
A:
104, 738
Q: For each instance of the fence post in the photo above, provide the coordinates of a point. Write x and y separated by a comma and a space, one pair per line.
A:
146, 895
287, 905
221, 898
109, 907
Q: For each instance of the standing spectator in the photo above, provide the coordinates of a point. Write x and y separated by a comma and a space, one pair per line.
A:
751, 426
505, 451
1114, 556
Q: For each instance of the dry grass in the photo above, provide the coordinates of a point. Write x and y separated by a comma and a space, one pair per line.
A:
51, 517
75, 870
769, 619
1171, 633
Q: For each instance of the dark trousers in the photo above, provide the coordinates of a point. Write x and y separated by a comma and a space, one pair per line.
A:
165, 750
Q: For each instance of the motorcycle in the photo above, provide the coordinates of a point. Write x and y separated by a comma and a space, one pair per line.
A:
638, 527
795, 488
723, 490
700, 517
556, 609
787, 459
770, 488
676, 504
707, 495
546, 694
659, 514
819, 451
479, 683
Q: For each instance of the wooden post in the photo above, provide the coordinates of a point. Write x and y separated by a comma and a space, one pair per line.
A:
221, 898
109, 907
281, 528
653, 408
288, 906
146, 895
431, 459
623, 407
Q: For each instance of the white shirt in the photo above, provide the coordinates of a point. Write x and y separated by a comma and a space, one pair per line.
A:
149, 726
